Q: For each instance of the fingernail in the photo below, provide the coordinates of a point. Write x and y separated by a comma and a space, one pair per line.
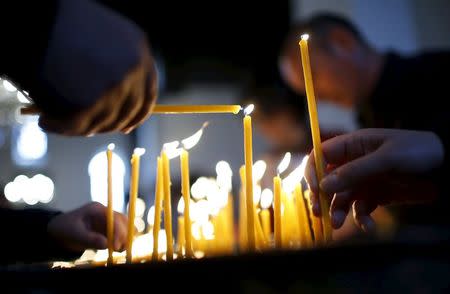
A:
338, 218
329, 183
90, 135
127, 131
367, 224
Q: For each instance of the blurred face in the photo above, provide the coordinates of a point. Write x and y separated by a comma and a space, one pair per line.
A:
334, 71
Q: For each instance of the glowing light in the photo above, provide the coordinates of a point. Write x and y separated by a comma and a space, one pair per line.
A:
151, 216
10, 192
199, 188
208, 230
196, 233
139, 224
304, 37
224, 175
32, 142
191, 141
249, 109
98, 173
295, 176
37, 189
22, 98
201, 211
284, 164
111, 146
259, 168
140, 207
180, 207
9, 86
139, 151
256, 193
171, 145
266, 198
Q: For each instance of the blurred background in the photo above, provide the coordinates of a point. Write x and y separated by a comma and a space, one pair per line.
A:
207, 53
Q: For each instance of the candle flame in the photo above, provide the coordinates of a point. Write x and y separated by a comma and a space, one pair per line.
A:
191, 141
151, 216
180, 207
139, 151
295, 176
259, 168
172, 153
284, 164
256, 194
249, 109
304, 37
266, 198
223, 168
171, 145
111, 146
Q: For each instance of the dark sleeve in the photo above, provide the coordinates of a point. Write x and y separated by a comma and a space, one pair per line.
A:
25, 238
26, 28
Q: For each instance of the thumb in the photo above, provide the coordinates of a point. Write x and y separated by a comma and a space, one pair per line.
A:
354, 173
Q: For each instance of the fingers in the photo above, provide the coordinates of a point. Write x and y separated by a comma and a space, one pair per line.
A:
340, 205
120, 231
94, 240
354, 173
361, 214
310, 174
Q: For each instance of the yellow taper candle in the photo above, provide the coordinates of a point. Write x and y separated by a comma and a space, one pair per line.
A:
248, 155
242, 212
110, 212
158, 207
185, 190
314, 121
277, 211
134, 183
167, 206
176, 109
302, 214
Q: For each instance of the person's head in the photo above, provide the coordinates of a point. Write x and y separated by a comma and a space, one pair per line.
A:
279, 116
341, 59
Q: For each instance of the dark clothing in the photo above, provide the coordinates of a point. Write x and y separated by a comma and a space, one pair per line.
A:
411, 94
25, 238
24, 232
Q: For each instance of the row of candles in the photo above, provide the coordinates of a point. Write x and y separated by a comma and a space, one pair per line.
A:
294, 225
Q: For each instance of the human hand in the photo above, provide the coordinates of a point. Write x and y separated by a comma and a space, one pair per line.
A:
98, 71
85, 228
374, 167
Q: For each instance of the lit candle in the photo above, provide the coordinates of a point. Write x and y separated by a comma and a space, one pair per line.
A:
277, 211
167, 205
242, 212
277, 200
185, 190
134, 183
158, 207
265, 203
314, 121
248, 154
174, 109
110, 212
165, 109
181, 228
302, 213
